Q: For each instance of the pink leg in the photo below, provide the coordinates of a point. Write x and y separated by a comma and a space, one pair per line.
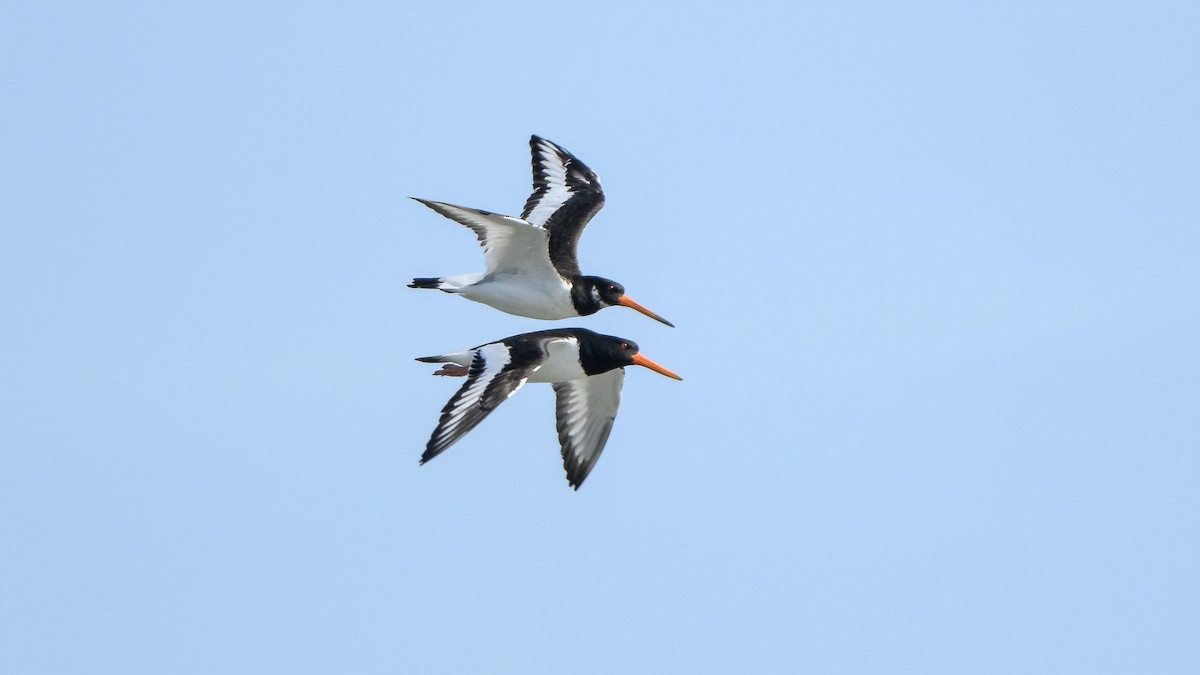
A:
453, 370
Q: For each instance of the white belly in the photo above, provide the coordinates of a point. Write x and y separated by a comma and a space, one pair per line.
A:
534, 297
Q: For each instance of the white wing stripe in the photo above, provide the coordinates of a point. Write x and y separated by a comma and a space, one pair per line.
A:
495, 357
556, 192
466, 411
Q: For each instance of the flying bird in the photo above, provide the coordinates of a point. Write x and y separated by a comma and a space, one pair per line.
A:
532, 267
585, 368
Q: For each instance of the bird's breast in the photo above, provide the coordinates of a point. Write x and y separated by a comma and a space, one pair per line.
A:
562, 364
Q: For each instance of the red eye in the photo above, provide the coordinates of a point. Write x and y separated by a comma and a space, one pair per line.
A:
624, 345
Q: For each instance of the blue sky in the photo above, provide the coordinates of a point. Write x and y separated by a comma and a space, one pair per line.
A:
934, 268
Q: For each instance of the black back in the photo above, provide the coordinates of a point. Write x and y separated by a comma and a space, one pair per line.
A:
598, 353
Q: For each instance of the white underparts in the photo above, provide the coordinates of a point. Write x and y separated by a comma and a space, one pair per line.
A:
515, 294
561, 364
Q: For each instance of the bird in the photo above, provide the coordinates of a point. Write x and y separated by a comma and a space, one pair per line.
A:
585, 368
532, 266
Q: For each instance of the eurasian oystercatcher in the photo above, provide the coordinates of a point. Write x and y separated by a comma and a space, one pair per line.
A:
532, 268
586, 369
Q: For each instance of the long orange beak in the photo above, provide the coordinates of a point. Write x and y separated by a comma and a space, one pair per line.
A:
626, 302
639, 360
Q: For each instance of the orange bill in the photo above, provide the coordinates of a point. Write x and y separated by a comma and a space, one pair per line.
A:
639, 360
624, 301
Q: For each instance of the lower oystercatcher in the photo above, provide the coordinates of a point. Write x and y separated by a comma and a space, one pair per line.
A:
586, 369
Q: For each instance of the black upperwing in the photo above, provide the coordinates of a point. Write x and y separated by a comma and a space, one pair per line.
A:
566, 194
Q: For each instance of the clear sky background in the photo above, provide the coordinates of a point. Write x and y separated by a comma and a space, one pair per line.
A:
935, 269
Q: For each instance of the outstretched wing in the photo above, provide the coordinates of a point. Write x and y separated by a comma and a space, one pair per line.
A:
493, 377
509, 244
585, 410
566, 194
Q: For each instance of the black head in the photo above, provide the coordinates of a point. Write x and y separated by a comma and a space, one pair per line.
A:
609, 291
592, 294
602, 353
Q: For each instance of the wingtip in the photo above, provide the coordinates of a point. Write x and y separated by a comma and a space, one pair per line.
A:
536, 142
575, 480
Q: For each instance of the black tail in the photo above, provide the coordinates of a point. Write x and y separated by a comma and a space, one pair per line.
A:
426, 282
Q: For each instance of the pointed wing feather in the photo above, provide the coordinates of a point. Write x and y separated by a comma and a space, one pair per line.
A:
585, 410
509, 244
493, 378
566, 194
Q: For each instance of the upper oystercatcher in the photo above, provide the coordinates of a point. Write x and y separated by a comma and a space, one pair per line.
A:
586, 368
532, 269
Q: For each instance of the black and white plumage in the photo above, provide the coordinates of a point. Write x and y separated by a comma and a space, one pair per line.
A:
586, 369
532, 261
